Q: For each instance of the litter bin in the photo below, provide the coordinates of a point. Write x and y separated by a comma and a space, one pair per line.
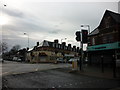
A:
74, 65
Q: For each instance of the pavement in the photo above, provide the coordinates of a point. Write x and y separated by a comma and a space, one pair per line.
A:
17, 68
35, 75
96, 71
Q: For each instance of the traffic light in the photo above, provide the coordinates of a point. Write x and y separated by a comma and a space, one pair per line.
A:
84, 36
78, 36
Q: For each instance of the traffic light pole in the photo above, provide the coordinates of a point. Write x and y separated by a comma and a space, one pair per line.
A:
82, 36
81, 57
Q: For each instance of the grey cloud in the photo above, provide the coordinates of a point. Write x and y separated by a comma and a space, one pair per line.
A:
55, 31
53, 19
13, 12
30, 26
25, 26
85, 13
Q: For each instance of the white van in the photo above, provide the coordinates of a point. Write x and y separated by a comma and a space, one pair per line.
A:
15, 58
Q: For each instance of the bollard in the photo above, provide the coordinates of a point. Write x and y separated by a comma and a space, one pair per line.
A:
72, 64
102, 62
114, 66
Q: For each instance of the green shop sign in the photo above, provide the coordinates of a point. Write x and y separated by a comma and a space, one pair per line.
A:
115, 45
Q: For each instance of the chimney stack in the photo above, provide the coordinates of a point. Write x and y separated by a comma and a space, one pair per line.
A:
56, 41
77, 49
74, 48
37, 43
63, 45
69, 46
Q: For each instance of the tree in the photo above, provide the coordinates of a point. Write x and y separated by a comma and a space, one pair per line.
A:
3, 47
15, 49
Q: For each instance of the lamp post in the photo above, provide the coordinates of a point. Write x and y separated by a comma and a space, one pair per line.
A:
87, 26
2, 21
28, 38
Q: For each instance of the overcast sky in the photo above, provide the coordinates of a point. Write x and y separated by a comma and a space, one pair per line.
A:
44, 20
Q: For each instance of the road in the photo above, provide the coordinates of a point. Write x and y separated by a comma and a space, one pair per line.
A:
9, 67
23, 75
57, 78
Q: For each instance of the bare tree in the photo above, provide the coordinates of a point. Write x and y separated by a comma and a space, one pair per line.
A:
3, 47
16, 47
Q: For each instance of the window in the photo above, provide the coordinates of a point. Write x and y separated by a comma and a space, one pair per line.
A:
104, 39
108, 39
56, 45
93, 41
53, 45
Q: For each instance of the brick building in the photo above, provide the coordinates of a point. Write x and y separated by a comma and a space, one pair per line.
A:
105, 39
49, 51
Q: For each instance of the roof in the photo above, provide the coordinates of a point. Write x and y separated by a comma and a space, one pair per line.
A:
45, 43
30, 49
115, 16
94, 32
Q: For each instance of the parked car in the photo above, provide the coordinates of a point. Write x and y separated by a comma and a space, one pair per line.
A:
15, 58
19, 60
72, 59
60, 60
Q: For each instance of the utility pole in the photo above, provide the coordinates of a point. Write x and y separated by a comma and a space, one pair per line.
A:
81, 59
78, 38
28, 38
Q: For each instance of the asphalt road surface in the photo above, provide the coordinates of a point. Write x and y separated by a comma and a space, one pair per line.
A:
57, 78
10, 67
